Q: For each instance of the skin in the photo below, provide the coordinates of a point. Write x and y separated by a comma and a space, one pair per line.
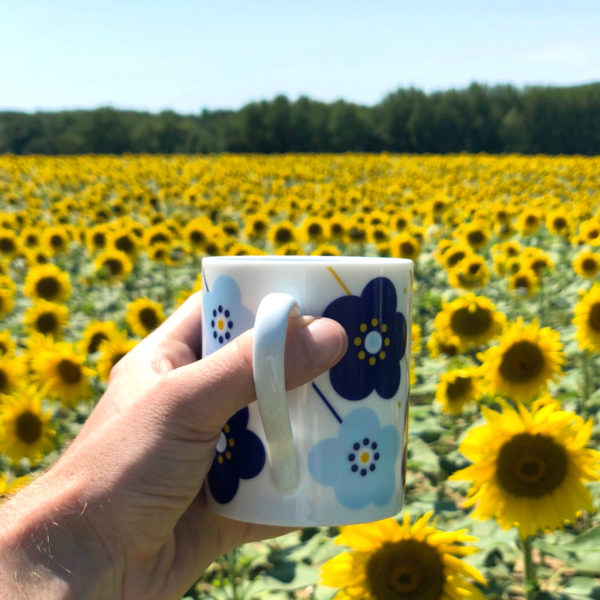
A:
121, 514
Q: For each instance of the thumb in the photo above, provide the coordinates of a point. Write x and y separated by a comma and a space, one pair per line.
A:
209, 391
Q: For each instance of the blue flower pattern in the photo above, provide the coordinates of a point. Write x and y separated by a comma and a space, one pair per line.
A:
240, 455
224, 315
359, 463
377, 336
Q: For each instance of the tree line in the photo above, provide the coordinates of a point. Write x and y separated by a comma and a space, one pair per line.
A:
492, 119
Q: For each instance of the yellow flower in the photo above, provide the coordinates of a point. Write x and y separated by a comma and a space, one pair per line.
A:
60, 371
7, 344
404, 245
313, 229
457, 388
529, 467
111, 352
473, 319
25, 429
7, 488
56, 239
587, 264
282, 233
7, 295
587, 320
9, 243
47, 282
524, 281
13, 370
113, 264
96, 333
524, 361
143, 316
47, 318
469, 273
391, 560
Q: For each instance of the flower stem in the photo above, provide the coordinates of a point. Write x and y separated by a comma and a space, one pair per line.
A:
585, 393
531, 583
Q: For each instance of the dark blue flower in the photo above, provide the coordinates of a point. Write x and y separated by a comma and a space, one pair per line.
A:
240, 455
377, 336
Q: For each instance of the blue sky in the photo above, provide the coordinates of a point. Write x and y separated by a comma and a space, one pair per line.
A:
186, 55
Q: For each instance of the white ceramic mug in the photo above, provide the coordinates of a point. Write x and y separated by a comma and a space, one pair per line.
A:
331, 452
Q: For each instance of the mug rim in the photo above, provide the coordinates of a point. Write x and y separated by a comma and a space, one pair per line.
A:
280, 259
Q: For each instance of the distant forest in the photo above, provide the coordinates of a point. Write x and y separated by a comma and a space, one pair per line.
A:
492, 119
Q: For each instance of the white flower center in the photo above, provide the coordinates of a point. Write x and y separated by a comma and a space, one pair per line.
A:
222, 443
373, 342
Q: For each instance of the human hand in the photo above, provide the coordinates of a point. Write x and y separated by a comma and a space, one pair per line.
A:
121, 514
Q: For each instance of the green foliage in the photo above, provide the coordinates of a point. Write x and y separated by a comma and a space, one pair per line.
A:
479, 118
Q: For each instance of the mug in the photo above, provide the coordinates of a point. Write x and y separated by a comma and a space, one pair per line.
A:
333, 451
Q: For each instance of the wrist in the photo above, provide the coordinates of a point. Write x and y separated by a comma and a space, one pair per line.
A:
49, 546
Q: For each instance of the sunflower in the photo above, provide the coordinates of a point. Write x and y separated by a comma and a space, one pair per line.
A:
472, 272
473, 319
589, 232
96, 333
96, 237
475, 234
336, 228
587, 264
25, 429
47, 318
7, 295
291, 249
124, 240
457, 388
143, 316
313, 229
587, 320
404, 245
526, 359
559, 222
7, 344
56, 239
111, 352
60, 370
282, 233
9, 487
197, 232
9, 243
157, 234
399, 560
13, 370
454, 254
438, 345
529, 467
529, 221
47, 282
399, 221
524, 281
113, 265
326, 250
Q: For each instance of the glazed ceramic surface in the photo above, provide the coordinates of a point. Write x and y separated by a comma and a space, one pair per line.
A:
339, 457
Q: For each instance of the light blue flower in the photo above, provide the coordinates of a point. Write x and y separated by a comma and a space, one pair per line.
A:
224, 315
359, 463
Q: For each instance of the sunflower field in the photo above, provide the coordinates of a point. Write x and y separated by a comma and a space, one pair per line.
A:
503, 468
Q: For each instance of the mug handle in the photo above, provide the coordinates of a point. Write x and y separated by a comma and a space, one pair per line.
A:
270, 329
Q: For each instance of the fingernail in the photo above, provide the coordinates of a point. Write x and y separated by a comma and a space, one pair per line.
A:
326, 341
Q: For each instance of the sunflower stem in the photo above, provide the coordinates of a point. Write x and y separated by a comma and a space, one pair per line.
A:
585, 392
531, 583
